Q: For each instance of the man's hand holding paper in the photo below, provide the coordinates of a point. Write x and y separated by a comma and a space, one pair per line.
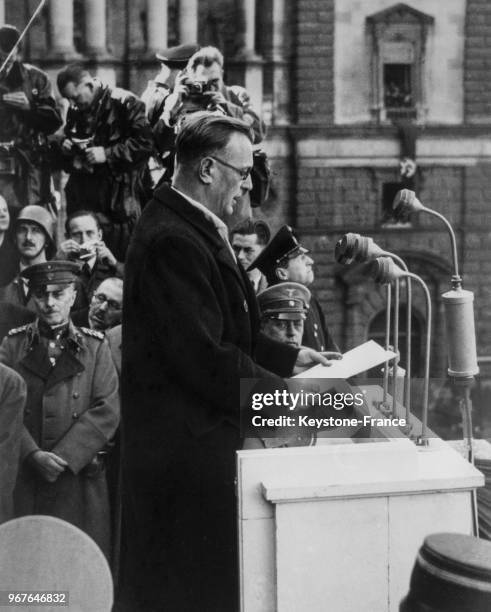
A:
359, 359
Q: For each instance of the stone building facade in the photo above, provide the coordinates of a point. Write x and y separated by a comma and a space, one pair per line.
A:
348, 87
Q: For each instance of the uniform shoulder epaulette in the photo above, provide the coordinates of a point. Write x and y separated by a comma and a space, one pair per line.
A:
17, 330
121, 94
92, 332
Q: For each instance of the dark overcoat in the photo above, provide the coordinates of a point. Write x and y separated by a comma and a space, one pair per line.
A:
12, 400
190, 332
72, 410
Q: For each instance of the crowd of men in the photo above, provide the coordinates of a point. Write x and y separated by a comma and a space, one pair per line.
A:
156, 186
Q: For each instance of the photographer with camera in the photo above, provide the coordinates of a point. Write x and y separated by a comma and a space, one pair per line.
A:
84, 244
28, 114
172, 62
201, 87
106, 147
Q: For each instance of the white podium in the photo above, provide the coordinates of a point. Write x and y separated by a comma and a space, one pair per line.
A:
337, 526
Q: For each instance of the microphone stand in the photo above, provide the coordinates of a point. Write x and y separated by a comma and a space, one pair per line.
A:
356, 248
461, 371
384, 270
395, 365
384, 406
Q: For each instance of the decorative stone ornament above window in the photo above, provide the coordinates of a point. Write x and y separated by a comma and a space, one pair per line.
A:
397, 38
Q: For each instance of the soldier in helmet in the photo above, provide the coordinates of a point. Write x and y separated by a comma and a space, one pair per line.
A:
28, 114
34, 241
72, 407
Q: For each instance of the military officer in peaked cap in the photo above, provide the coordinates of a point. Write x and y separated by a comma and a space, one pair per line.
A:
72, 407
285, 259
284, 308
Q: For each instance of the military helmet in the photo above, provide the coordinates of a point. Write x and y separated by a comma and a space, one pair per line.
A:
39, 215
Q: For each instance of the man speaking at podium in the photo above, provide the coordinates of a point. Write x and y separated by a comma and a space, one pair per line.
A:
190, 333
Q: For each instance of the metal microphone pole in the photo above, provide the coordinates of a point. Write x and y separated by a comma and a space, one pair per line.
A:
384, 270
395, 365
356, 248
459, 316
461, 336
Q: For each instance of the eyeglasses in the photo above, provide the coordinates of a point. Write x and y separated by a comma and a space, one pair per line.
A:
100, 298
244, 174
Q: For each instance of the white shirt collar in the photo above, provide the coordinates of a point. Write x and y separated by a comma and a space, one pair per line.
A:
217, 222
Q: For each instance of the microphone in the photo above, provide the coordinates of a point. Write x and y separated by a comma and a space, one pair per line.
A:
384, 270
405, 203
356, 248
458, 304
459, 317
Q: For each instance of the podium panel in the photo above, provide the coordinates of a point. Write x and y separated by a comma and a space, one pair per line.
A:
338, 526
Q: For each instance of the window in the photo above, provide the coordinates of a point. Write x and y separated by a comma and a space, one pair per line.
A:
397, 44
389, 191
397, 86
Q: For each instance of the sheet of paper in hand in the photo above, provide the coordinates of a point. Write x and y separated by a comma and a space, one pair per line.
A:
359, 359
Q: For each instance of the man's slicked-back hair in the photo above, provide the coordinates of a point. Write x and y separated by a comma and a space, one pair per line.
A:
249, 226
204, 134
73, 73
81, 213
206, 57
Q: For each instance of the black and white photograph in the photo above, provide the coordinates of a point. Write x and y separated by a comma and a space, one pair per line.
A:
245, 305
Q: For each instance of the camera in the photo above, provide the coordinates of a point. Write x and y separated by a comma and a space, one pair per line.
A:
87, 250
80, 145
196, 88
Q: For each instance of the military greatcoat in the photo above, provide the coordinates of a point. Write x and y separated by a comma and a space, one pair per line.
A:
72, 410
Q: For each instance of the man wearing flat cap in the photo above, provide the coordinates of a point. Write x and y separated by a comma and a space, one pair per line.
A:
28, 114
285, 259
72, 407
